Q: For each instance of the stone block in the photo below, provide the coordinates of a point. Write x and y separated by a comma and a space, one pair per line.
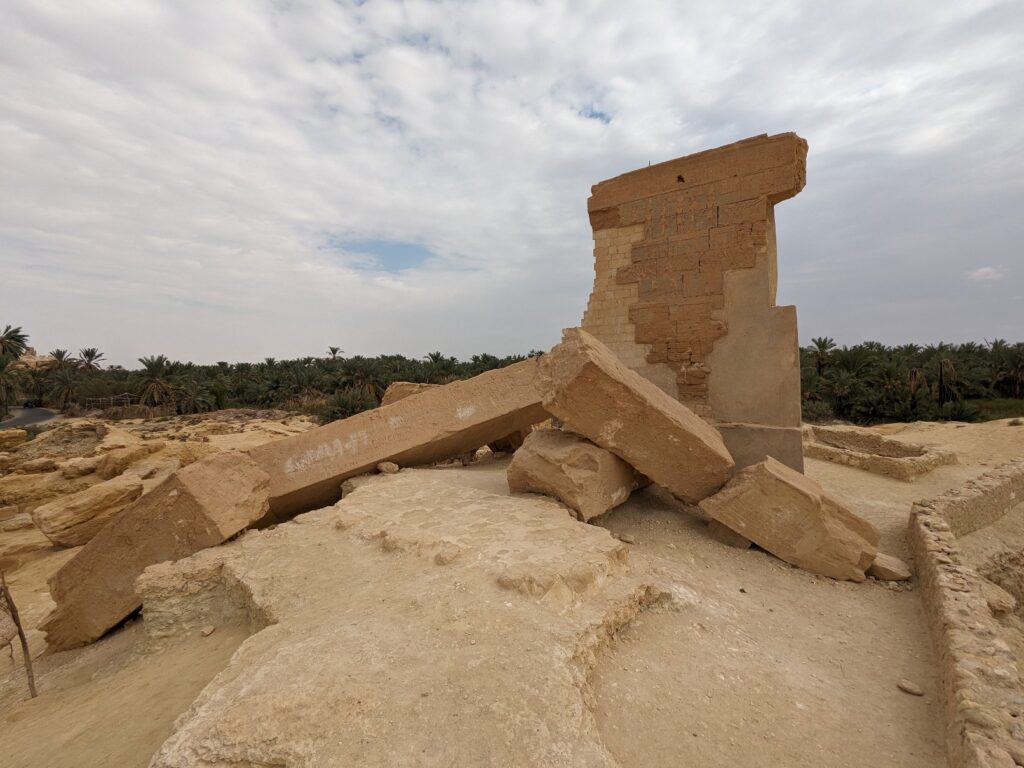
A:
12, 438
587, 479
595, 395
399, 390
200, 506
791, 516
71, 521
889, 568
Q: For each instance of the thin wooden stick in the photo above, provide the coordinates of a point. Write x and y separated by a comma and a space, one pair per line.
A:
9, 599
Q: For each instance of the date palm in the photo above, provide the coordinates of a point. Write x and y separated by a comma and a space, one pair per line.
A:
156, 388
89, 359
64, 391
13, 342
10, 383
63, 359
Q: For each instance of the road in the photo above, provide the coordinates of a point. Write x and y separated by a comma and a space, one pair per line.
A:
25, 416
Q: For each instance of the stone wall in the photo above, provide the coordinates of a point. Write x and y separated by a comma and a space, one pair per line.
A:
871, 452
685, 285
981, 688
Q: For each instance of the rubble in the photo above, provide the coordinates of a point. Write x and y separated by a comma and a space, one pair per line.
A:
71, 521
115, 462
595, 395
587, 479
12, 438
889, 568
200, 506
791, 516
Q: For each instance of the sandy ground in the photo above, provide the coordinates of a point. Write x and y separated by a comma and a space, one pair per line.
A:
769, 667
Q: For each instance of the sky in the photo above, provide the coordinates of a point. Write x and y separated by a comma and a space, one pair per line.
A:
243, 179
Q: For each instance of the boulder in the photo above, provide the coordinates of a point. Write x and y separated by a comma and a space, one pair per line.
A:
200, 506
117, 461
12, 438
85, 465
71, 521
587, 479
889, 568
595, 395
791, 516
399, 390
36, 466
387, 467
306, 470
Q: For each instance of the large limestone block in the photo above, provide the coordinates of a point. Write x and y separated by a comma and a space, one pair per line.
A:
117, 461
199, 506
594, 394
71, 521
792, 517
306, 470
12, 438
587, 479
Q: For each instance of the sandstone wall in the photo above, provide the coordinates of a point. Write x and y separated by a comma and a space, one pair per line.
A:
981, 684
685, 284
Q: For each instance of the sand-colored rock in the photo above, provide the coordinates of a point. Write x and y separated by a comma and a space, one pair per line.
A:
12, 438
34, 466
117, 461
387, 468
399, 390
463, 636
587, 479
79, 467
199, 506
31, 490
889, 568
307, 470
726, 535
685, 288
792, 517
594, 394
71, 521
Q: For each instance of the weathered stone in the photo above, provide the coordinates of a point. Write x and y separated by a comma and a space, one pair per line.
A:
12, 438
387, 467
594, 394
117, 461
889, 568
908, 686
587, 479
726, 535
35, 466
399, 390
999, 601
199, 506
9, 511
71, 521
790, 515
685, 288
306, 470
79, 467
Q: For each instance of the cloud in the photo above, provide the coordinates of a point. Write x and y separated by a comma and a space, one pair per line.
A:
985, 274
183, 178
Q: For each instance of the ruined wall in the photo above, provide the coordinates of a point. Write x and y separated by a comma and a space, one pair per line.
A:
685, 285
978, 667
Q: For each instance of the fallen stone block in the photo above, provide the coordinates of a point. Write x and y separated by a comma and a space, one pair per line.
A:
889, 568
587, 479
723, 534
594, 394
12, 438
117, 461
199, 506
306, 470
791, 516
71, 521
79, 467
399, 390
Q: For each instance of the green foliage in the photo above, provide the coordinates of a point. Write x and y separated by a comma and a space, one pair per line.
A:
347, 402
870, 382
13, 342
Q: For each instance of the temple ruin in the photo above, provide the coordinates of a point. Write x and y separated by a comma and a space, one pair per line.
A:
685, 286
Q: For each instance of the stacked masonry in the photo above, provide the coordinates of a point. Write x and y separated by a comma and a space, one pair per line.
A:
981, 685
685, 285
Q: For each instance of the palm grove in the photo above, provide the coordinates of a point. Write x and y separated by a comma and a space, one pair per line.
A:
866, 383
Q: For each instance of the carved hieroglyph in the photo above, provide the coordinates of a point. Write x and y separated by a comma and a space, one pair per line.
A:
685, 288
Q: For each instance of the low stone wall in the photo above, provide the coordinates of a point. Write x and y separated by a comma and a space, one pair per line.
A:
982, 691
871, 452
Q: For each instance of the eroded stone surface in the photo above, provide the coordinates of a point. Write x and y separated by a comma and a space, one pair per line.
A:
685, 287
474, 616
71, 521
792, 517
587, 479
199, 506
399, 390
889, 568
12, 438
594, 394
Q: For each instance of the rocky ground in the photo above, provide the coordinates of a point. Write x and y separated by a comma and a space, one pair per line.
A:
431, 619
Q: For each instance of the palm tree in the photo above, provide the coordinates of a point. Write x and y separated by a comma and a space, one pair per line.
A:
13, 342
334, 352
194, 396
65, 387
821, 349
63, 359
10, 383
156, 387
37, 380
89, 359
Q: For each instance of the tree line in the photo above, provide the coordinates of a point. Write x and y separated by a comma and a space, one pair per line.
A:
866, 383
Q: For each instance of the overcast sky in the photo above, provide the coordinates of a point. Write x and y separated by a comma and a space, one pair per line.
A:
238, 179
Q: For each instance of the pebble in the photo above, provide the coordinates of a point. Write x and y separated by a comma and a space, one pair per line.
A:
207, 630
909, 687
628, 538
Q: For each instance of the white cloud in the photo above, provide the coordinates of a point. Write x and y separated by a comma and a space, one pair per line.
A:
985, 274
172, 169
